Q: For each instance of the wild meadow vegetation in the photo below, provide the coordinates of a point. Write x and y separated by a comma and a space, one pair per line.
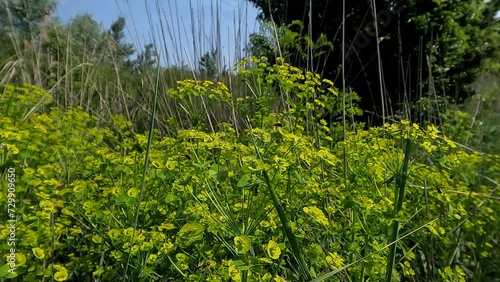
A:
119, 168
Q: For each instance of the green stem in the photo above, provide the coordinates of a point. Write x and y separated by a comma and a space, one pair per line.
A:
144, 171
400, 183
288, 230
244, 273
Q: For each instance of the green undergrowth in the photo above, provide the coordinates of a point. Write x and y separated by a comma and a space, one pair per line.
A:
216, 205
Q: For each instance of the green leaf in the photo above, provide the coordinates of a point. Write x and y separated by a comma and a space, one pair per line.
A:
186, 181
29, 220
162, 176
238, 262
241, 265
190, 233
131, 202
21, 270
222, 176
4, 272
244, 181
169, 198
121, 199
25, 154
433, 230
388, 181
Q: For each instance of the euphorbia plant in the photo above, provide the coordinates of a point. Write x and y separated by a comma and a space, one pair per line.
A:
222, 206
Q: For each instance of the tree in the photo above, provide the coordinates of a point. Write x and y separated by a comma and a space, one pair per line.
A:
146, 60
24, 18
86, 36
21, 24
123, 50
208, 64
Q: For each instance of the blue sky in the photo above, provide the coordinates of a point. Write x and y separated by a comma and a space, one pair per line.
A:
176, 20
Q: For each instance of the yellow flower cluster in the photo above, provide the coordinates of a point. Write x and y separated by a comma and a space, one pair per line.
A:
193, 88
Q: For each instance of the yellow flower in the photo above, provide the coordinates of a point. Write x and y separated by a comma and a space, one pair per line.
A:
157, 236
151, 258
317, 214
140, 237
61, 274
88, 206
166, 226
273, 250
40, 128
20, 259
13, 149
129, 161
135, 249
265, 260
114, 234
146, 246
428, 146
116, 254
166, 247
47, 206
98, 272
39, 254
29, 171
234, 273
171, 165
128, 232
432, 131
328, 81
242, 244
335, 260
76, 230
133, 192
67, 212
52, 182
450, 143
79, 187
97, 239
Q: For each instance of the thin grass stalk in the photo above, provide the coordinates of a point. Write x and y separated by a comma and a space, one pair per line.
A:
288, 230
375, 24
344, 126
14, 40
344, 134
144, 170
400, 178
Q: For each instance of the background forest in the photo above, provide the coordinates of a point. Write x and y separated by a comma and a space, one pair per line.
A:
352, 141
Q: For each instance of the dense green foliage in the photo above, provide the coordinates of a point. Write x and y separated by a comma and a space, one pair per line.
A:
426, 48
218, 206
117, 167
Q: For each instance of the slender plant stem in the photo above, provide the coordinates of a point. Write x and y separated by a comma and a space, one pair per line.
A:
400, 183
288, 230
144, 170
379, 61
